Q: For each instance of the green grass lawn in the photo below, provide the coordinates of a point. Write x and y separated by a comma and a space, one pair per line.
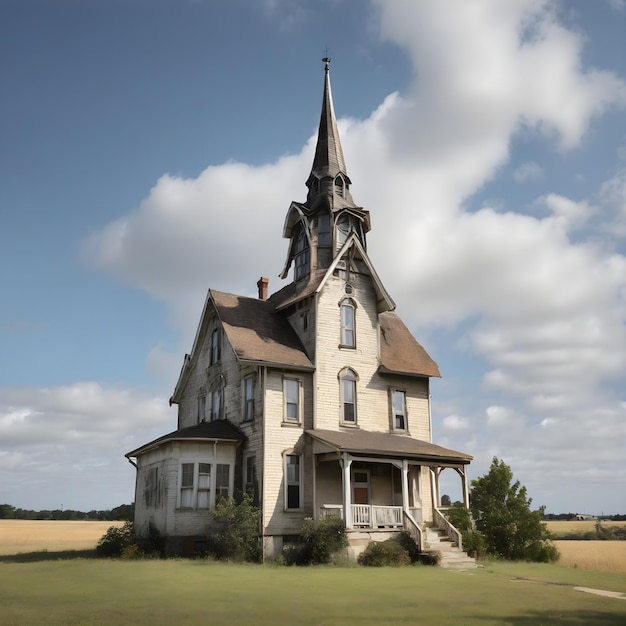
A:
174, 592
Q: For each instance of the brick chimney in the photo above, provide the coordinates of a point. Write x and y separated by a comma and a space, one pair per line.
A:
263, 285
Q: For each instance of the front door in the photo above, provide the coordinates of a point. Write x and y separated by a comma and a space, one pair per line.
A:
361, 487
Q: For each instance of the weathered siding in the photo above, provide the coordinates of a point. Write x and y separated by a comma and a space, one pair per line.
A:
284, 438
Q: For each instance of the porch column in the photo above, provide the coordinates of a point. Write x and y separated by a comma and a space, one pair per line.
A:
434, 483
346, 462
405, 485
462, 471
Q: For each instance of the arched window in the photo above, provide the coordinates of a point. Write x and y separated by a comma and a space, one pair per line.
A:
302, 255
347, 310
347, 380
339, 186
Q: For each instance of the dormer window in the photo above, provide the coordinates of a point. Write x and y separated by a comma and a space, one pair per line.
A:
302, 255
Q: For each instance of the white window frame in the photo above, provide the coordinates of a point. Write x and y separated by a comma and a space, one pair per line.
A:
394, 394
348, 326
292, 481
248, 405
348, 380
202, 493
288, 383
220, 484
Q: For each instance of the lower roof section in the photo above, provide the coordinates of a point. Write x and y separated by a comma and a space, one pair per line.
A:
366, 443
218, 430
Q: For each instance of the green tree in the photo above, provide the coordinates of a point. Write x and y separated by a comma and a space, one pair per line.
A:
502, 514
6, 511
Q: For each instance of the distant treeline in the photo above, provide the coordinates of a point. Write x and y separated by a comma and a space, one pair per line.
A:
123, 512
565, 517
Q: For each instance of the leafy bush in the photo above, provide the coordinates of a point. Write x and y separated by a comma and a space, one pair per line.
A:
384, 553
116, 540
408, 544
321, 541
238, 537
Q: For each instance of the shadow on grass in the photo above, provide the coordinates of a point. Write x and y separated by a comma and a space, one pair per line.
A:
579, 618
45, 555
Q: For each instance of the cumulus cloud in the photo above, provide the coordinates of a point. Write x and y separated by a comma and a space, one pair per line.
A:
83, 426
543, 311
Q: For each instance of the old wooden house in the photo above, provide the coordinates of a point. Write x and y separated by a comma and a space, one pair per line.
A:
316, 397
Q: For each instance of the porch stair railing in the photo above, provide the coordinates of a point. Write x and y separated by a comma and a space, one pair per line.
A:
413, 528
440, 521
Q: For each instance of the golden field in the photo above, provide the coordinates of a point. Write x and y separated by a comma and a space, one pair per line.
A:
598, 556
22, 536
578, 526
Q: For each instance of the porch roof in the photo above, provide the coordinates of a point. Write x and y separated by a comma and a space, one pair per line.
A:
366, 443
218, 430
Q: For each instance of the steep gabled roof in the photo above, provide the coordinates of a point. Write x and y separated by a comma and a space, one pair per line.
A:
363, 442
254, 330
219, 430
400, 353
258, 333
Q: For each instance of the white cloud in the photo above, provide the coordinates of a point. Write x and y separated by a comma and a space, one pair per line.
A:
83, 425
454, 422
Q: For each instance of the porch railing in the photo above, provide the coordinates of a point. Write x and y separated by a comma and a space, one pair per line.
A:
367, 515
440, 521
413, 528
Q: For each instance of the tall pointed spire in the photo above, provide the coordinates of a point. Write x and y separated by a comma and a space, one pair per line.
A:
328, 159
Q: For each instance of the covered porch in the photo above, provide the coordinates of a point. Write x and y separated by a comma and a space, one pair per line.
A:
382, 481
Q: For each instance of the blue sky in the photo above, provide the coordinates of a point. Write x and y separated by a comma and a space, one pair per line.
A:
149, 150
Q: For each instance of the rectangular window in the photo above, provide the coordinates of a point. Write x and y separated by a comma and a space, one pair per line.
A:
186, 485
291, 392
398, 408
348, 389
348, 337
293, 480
248, 398
201, 408
250, 475
216, 346
217, 405
151, 491
222, 481
204, 485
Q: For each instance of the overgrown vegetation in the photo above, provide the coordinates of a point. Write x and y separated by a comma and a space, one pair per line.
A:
384, 553
321, 542
238, 537
503, 517
116, 541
